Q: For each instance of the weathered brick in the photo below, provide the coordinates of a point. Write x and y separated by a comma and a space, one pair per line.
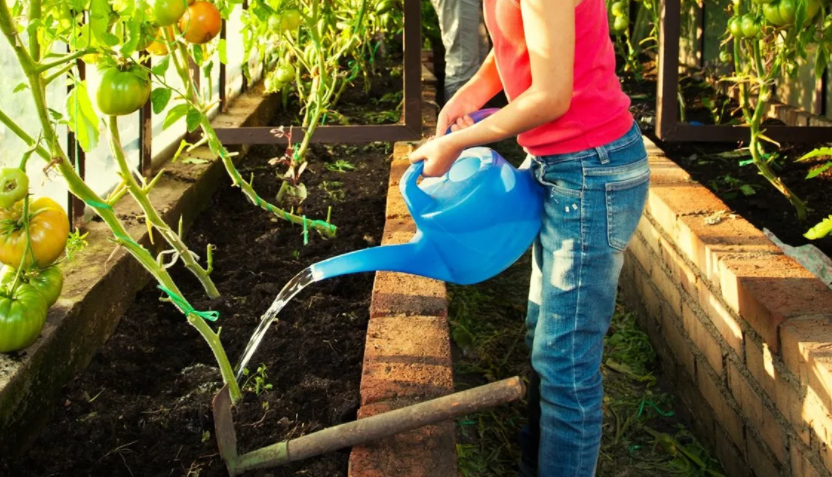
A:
406, 357
641, 252
702, 338
716, 395
668, 288
761, 463
425, 452
807, 354
652, 302
768, 290
398, 231
801, 466
704, 422
409, 295
729, 455
727, 326
759, 416
789, 402
649, 233
681, 272
760, 364
675, 338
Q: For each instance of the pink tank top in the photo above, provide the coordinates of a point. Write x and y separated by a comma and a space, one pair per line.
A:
599, 111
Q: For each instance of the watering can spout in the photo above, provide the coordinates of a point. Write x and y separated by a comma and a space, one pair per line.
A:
416, 257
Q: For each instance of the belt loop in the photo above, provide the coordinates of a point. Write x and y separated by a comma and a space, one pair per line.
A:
602, 155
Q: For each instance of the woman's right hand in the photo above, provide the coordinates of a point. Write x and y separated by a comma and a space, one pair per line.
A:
455, 114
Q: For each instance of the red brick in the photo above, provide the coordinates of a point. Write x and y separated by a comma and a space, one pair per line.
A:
759, 416
675, 338
406, 357
668, 288
425, 452
715, 394
768, 290
409, 295
761, 463
681, 272
760, 364
801, 465
724, 322
703, 339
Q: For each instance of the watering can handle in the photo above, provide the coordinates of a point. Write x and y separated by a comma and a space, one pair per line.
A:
478, 116
415, 198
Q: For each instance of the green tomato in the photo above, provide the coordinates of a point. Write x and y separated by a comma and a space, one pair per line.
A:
385, 6
620, 24
812, 9
772, 14
750, 26
169, 12
276, 23
49, 281
22, 315
617, 8
291, 20
122, 92
735, 27
787, 10
14, 185
285, 73
725, 56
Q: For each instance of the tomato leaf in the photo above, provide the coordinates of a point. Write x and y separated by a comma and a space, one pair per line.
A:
821, 60
175, 114
82, 118
819, 152
193, 119
161, 68
819, 170
820, 230
99, 22
20, 87
159, 98
747, 190
134, 34
222, 50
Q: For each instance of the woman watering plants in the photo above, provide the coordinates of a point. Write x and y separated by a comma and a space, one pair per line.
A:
555, 61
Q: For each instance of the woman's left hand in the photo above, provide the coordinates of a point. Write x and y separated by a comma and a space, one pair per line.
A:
438, 154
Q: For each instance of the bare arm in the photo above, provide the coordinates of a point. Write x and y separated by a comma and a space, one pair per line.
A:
549, 26
483, 86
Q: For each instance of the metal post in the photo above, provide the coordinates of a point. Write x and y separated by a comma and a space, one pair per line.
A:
667, 109
77, 157
146, 133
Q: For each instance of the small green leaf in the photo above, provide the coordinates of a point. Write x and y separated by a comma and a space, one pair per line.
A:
56, 115
175, 114
193, 119
819, 170
222, 50
159, 69
820, 230
819, 152
20, 87
821, 60
159, 98
747, 190
82, 118
197, 54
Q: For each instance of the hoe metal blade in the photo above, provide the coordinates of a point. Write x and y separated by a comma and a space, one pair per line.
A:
357, 432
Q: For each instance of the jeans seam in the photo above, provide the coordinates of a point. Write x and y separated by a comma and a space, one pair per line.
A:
577, 314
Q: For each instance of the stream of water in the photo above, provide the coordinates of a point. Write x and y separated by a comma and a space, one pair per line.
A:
295, 285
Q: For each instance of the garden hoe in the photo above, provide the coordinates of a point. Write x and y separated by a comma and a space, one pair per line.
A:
357, 432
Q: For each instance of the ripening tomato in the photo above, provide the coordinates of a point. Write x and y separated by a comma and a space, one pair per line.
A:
49, 281
291, 19
122, 92
201, 22
22, 316
750, 26
812, 9
48, 230
158, 48
787, 10
772, 14
169, 12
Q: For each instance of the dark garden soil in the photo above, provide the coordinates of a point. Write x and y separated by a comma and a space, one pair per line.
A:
741, 187
142, 408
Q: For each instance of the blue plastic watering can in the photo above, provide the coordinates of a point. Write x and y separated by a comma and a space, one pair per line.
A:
473, 222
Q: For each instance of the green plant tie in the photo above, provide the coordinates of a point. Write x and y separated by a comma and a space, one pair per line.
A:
305, 232
653, 405
98, 205
323, 119
186, 307
373, 55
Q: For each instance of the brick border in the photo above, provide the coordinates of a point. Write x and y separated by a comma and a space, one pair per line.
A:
102, 283
742, 330
407, 355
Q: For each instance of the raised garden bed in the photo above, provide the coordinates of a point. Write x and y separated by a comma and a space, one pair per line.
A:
143, 405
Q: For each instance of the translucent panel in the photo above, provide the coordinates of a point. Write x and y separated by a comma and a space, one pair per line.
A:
172, 135
101, 168
21, 109
234, 52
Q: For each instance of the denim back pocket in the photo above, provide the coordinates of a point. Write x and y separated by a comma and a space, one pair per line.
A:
625, 204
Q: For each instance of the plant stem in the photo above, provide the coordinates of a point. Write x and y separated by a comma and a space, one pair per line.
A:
80, 189
151, 215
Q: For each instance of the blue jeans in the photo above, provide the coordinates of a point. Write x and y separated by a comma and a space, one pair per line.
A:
595, 201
